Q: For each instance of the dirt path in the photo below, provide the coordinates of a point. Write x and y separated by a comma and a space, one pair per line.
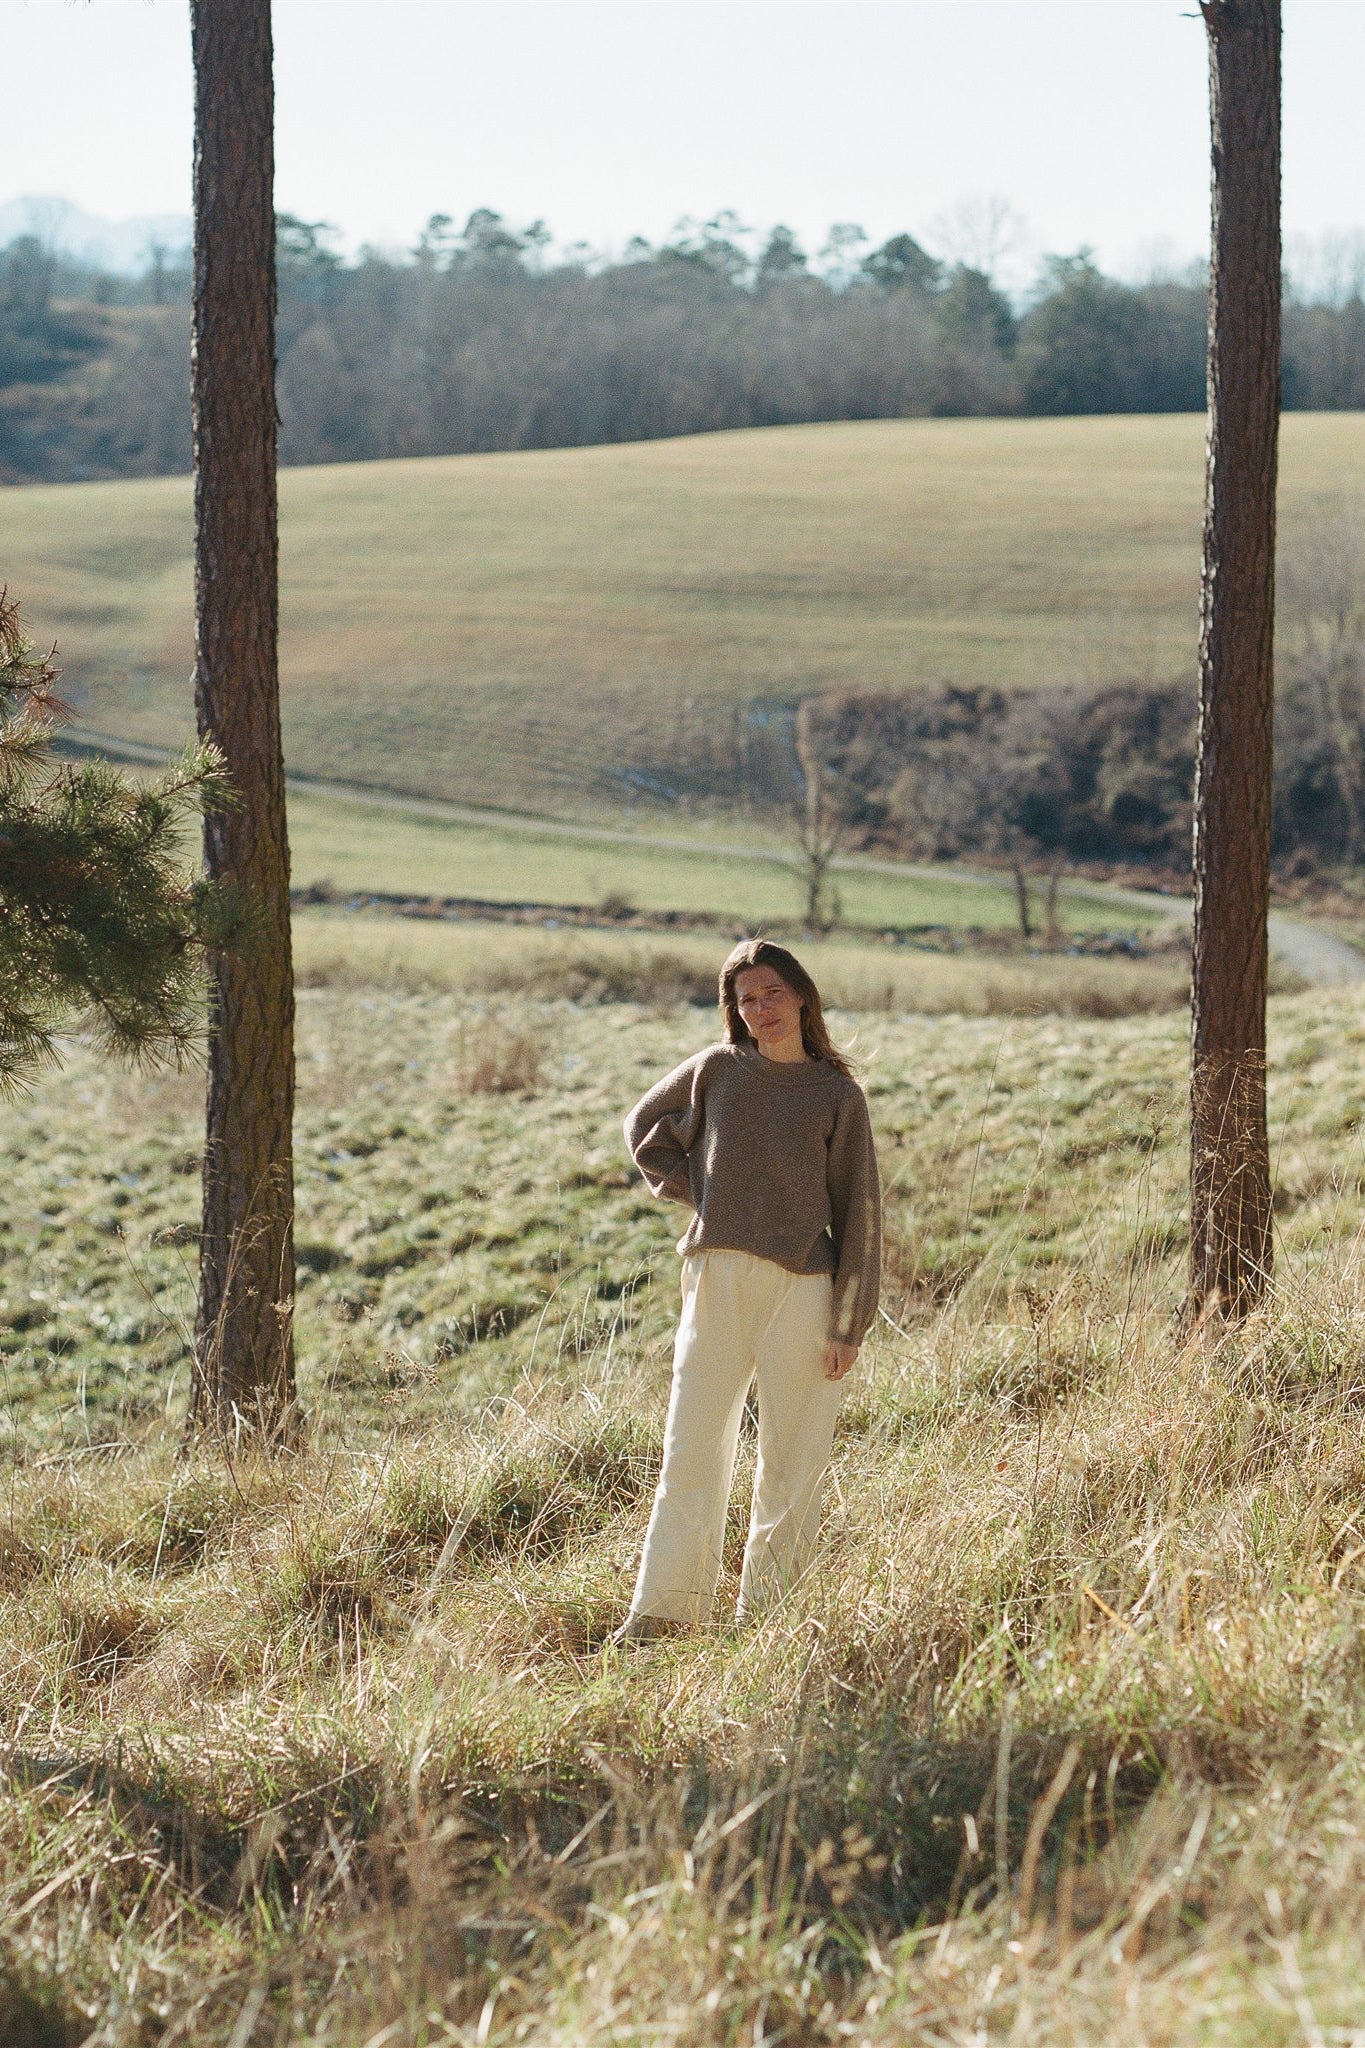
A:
1320, 958
1316, 955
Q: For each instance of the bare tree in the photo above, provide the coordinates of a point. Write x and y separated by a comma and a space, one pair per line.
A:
819, 824
1322, 709
982, 231
1230, 1215
245, 1349
1016, 851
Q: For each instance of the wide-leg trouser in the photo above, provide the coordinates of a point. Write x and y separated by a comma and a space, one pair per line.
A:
741, 1315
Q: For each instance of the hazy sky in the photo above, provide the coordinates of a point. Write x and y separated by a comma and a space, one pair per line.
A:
613, 116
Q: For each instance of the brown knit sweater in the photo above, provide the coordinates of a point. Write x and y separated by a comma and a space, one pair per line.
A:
776, 1158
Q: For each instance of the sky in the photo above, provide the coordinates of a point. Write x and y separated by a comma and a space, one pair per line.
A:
1081, 122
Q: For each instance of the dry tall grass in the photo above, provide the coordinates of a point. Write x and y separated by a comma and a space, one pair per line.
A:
1062, 1744
364, 950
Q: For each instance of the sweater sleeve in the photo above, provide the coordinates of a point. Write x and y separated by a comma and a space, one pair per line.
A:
662, 1129
855, 1202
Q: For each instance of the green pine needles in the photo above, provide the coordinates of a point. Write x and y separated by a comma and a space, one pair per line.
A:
103, 923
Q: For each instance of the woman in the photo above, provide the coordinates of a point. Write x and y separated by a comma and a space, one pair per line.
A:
766, 1137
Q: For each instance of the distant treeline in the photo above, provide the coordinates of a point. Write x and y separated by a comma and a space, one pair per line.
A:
477, 339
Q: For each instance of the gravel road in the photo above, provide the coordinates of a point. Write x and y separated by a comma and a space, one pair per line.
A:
1321, 959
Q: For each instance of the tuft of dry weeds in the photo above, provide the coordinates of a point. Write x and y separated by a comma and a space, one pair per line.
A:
499, 1060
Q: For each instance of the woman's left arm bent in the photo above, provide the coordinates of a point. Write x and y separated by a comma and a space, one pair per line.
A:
856, 1216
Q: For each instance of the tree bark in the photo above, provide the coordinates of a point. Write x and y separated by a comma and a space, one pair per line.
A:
1230, 1213
245, 1352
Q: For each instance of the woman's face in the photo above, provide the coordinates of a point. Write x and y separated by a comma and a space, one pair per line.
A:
771, 1011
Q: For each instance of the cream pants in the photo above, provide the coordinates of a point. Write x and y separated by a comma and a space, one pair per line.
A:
740, 1315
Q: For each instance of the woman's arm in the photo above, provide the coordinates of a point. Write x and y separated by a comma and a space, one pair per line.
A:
855, 1202
662, 1129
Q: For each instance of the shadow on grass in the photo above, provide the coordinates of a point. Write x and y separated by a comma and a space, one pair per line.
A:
842, 1837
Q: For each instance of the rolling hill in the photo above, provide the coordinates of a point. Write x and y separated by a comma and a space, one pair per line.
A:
572, 628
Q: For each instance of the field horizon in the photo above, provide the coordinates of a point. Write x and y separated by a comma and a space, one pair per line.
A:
598, 629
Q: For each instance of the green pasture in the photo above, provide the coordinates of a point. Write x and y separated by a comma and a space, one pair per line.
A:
517, 629
460, 1089
356, 847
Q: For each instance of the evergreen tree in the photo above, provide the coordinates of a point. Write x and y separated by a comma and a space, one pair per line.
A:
901, 265
101, 922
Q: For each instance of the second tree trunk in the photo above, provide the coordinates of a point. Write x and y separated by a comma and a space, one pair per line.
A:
1230, 1211
245, 1350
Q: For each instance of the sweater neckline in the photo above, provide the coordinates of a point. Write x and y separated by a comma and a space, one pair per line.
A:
784, 1073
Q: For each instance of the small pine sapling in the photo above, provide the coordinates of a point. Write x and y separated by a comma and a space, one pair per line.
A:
103, 923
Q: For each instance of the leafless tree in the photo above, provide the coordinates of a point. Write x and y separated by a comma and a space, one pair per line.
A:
1230, 1213
245, 1346
1322, 587
819, 824
1016, 850
982, 230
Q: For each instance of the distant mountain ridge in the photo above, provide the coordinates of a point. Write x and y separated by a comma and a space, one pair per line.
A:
121, 246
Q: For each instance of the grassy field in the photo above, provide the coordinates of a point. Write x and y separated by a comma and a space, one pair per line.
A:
353, 847
348, 844
529, 629
1063, 1745
338, 948
102, 1201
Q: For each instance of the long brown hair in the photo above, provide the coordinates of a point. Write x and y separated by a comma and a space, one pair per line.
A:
815, 1036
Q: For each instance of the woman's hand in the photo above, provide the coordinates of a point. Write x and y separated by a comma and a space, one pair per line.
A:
838, 1358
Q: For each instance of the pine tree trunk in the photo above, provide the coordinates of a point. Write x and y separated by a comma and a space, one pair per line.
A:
1230, 1216
245, 1349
